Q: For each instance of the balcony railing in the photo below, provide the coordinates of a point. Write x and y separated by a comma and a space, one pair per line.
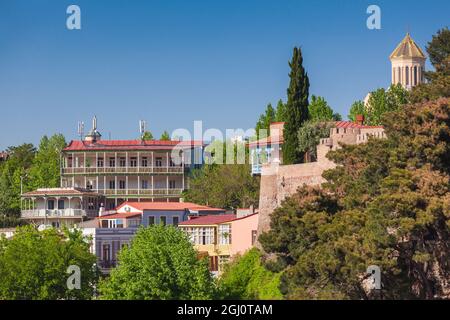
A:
107, 264
123, 170
47, 213
143, 192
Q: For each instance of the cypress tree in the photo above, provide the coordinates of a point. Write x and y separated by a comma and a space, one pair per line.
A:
296, 108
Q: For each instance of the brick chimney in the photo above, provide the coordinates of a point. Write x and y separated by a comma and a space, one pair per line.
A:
359, 119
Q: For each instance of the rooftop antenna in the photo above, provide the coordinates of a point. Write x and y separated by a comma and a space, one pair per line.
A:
142, 128
81, 129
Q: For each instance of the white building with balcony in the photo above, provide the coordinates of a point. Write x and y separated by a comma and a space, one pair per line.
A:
60, 207
129, 170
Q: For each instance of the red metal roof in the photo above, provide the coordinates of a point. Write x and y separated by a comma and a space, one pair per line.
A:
168, 206
209, 219
105, 145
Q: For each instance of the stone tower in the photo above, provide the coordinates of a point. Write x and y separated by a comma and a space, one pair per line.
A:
408, 63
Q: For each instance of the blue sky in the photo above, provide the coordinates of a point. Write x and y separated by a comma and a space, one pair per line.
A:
172, 62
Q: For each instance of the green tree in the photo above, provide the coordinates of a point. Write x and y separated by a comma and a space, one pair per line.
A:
45, 170
387, 203
319, 110
147, 136
33, 265
12, 172
165, 136
227, 186
438, 81
246, 278
280, 114
439, 51
296, 109
357, 108
160, 264
309, 136
382, 101
264, 122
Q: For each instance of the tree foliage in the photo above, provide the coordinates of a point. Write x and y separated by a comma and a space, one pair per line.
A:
245, 277
160, 264
319, 110
438, 84
357, 108
33, 265
147, 136
309, 136
165, 136
387, 204
227, 186
296, 108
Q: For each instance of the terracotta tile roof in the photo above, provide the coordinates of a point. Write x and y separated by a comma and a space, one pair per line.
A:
337, 124
105, 145
169, 206
124, 215
350, 124
60, 192
209, 219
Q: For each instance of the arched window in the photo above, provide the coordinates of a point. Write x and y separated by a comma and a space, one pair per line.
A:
415, 75
407, 75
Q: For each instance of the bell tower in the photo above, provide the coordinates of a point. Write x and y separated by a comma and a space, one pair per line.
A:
408, 63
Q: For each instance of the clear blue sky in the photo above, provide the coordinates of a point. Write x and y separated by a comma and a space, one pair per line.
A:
172, 62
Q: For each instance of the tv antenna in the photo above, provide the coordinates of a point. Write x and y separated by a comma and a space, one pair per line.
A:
81, 129
142, 128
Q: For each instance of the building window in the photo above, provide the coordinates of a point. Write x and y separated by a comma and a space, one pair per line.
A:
122, 184
159, 162
407, 75
163, 220
144, 184
122, 162
100, 162
254, 236
119, 223
51, 204
224, 234
213, 263
171, 184
106, 252
175, 221
133, 223
104, 224
112, 162
144, 162
112, 184
133, 162
151, 220
60, 204
415, 75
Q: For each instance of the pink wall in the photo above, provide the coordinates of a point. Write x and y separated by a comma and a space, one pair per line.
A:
241, 233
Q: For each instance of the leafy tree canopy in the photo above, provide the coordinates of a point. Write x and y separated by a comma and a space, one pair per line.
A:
386, 204
33, 265
165, 136
246, 278
160, 264
147, 136
319, 110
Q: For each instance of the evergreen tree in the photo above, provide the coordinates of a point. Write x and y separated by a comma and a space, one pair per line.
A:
165, 136
147, 136
296, 109
280, 115
264, 122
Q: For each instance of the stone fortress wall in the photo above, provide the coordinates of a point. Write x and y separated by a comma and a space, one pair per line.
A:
280, 181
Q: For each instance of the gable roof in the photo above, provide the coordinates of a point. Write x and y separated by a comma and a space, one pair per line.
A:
123, 215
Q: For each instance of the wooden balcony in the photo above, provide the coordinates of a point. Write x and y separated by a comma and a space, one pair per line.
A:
57, 213
122, 170
141, 192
